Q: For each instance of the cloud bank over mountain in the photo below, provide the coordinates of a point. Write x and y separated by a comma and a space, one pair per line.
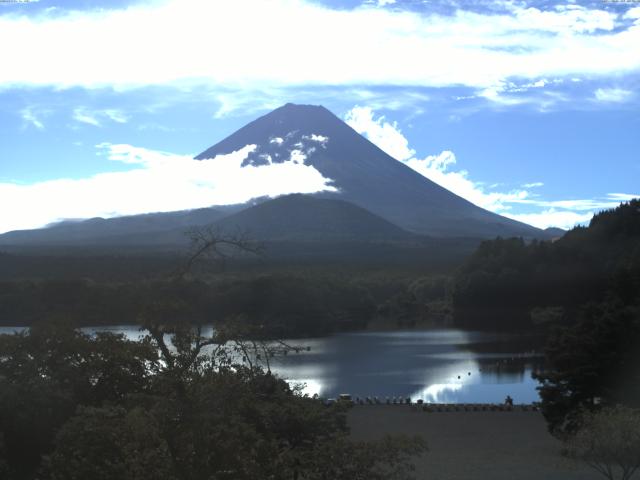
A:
158, 181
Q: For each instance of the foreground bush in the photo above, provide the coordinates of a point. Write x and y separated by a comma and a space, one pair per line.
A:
174, 405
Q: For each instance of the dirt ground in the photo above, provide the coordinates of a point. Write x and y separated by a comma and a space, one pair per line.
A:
473, 445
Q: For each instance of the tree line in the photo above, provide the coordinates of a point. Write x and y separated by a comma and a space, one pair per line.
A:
290, 304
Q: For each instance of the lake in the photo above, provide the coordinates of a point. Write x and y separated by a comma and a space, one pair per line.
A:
438, 366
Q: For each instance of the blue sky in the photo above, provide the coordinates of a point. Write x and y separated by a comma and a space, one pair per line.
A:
529, 109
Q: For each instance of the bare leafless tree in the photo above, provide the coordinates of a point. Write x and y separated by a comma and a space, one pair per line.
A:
181, 343
212, 243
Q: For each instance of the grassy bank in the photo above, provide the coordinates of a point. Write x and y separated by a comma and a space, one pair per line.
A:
473, 445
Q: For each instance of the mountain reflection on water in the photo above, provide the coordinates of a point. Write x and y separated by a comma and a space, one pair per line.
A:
438, 366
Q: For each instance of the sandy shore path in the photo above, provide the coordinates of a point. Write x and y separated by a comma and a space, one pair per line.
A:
473, 445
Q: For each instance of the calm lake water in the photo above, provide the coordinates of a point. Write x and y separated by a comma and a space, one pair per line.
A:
444, 366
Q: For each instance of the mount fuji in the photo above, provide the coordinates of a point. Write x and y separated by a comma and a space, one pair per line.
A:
363, 174
368, 196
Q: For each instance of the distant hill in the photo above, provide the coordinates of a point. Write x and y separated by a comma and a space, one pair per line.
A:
121, 231
554, 233
287, 218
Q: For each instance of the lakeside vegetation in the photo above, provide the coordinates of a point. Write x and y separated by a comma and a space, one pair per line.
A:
74, 406
291, 304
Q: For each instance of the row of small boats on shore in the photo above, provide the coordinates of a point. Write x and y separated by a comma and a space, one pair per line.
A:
433, 407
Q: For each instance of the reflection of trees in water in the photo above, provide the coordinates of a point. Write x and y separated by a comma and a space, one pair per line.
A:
510, 369
508, 358
507, 344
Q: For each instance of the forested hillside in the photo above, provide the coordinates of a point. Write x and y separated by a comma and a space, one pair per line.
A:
508, 283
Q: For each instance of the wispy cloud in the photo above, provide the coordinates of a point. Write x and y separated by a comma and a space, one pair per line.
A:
247, 102
610, 200
439, 169
116, 115
633, 13
384, 134
367, 46
82, 115
623, 197
612, 95
152, 126
32, 118
251, 102
552, 217
382, 3
95, 117
169, 181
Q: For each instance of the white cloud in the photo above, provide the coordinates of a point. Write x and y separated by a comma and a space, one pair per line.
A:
577, 19
250, 102
564, 219
633, 13
188, 41
83, 116
437, 168
611, 200
623, 197
314, 137
385, 135
116, 115
159, 181
152, 126
93, 117
30, 117
613, 95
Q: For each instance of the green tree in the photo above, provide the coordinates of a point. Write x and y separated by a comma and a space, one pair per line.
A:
110, 442
46, 372
596, 361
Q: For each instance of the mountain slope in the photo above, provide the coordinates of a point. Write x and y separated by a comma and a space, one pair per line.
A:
303, 217
288, 218
116, 231
294, 230
364, 174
